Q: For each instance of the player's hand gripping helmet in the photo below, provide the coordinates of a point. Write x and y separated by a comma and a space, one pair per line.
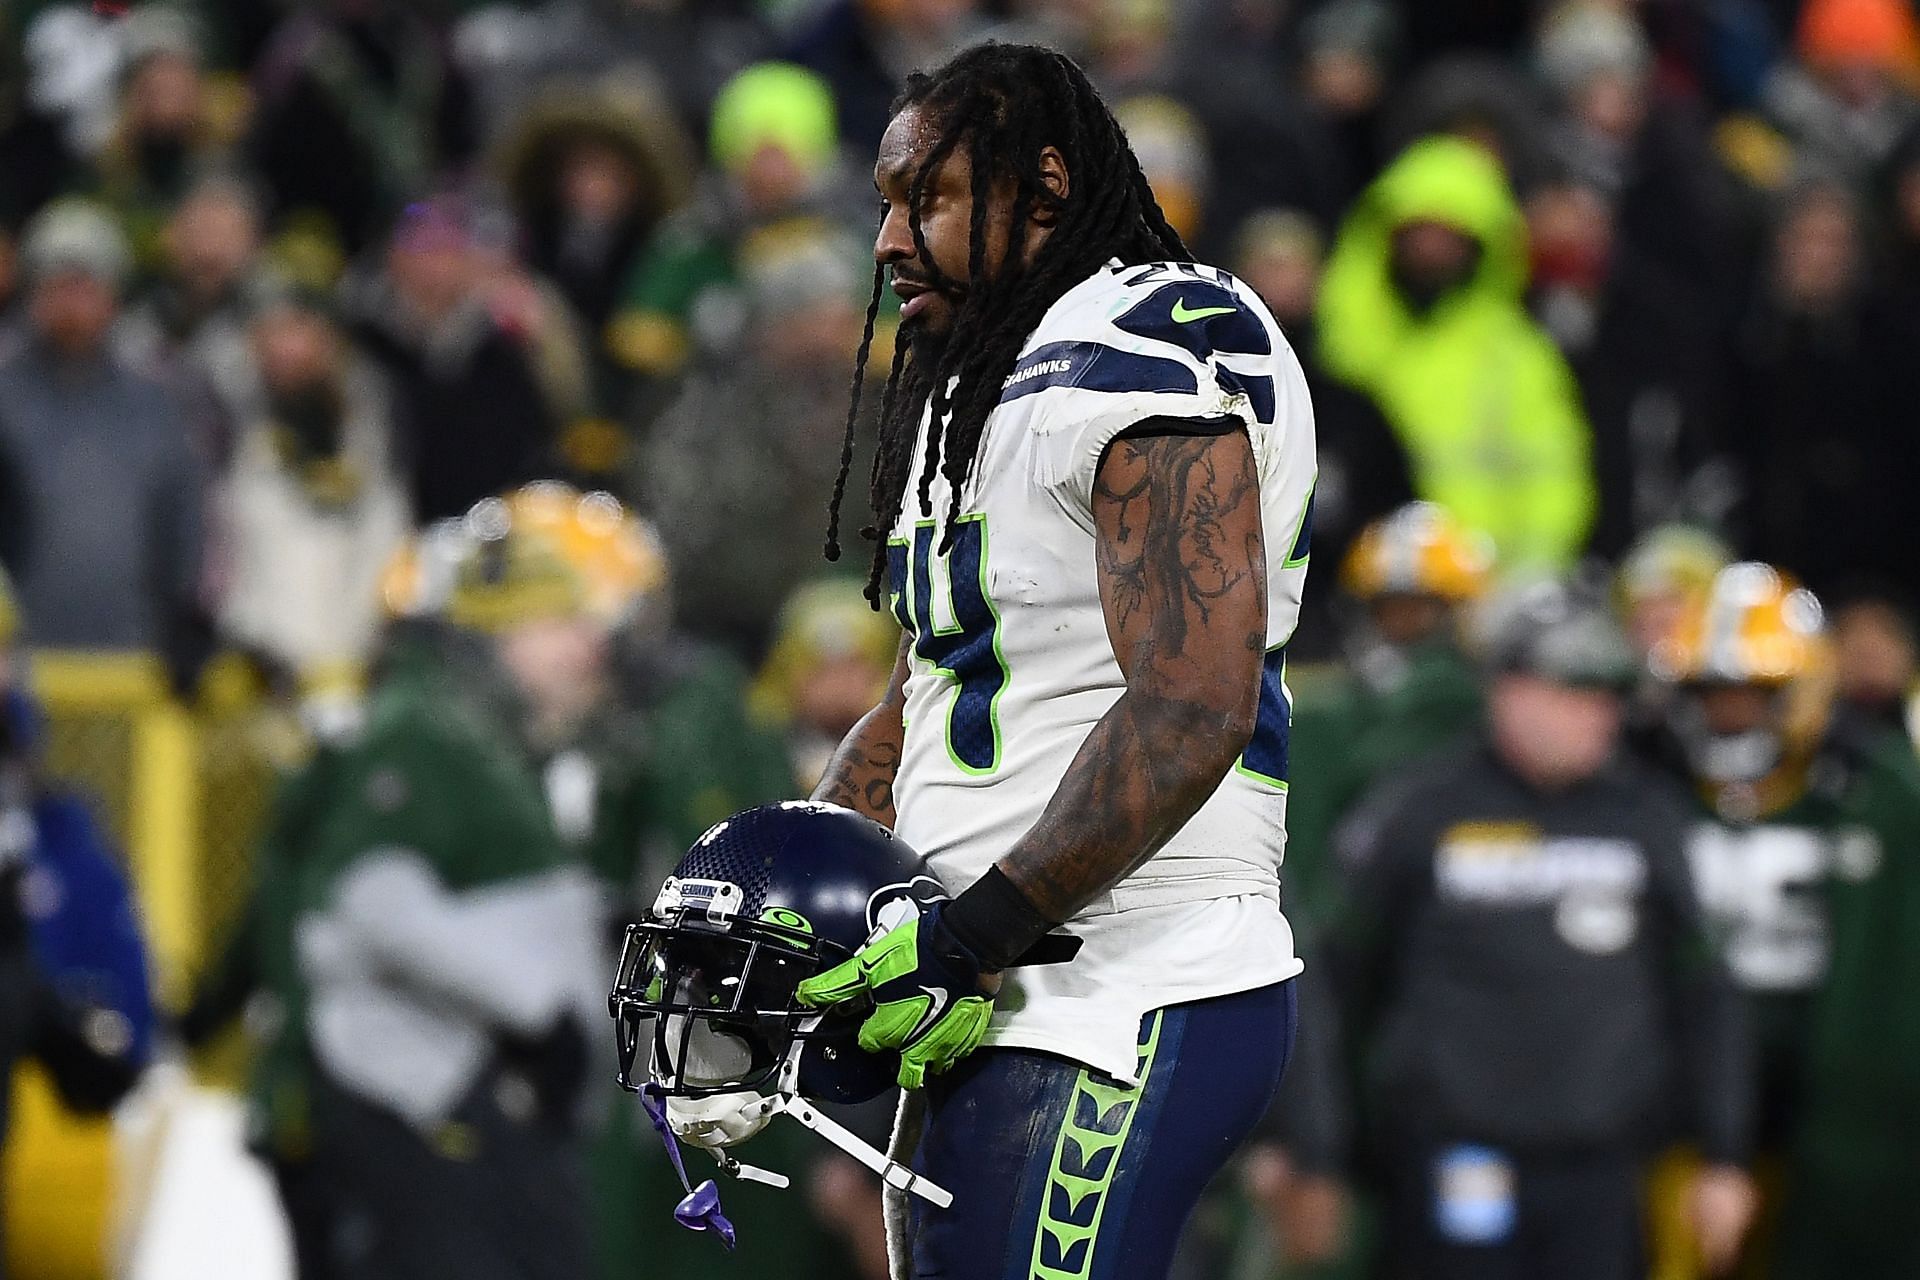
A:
708, 1030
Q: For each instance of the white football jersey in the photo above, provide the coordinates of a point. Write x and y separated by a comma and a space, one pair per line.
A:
1012, 664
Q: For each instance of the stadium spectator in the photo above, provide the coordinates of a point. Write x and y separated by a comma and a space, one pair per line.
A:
1895, 323
311, 503
739, 469
195, 316
34, 151
1846, 98
1264, 143
1818, 431
358, 111
828, 664
1643, 151
1803, 820
1876, 662
1173, 154
103, 530
1647, 350
1479, 98
592, 171
171, 129
775, 152
863, 50
690, 47
1348, 53
476, 414
1530, 984
1421, 309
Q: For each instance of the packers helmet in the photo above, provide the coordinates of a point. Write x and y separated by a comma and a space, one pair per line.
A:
1418, 550
1675, 560
545, 550
1755, 627
1664, 574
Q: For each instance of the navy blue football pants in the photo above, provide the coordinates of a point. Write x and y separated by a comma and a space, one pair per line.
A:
1058, 1173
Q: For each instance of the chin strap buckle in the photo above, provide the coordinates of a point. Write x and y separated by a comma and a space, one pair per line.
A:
892, 1172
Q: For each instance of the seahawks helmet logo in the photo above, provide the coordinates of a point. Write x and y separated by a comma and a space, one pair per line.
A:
892, 905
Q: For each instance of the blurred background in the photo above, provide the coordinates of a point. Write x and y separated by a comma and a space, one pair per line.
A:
416, 424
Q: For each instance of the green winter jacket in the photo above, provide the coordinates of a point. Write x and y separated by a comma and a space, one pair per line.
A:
428, 774
1348, 736
1482, 400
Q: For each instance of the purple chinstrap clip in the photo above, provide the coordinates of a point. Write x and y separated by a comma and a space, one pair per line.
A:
700, 1210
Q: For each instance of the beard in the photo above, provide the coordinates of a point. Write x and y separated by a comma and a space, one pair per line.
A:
924, 344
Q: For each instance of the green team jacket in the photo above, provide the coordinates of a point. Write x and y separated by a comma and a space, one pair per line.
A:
428, 773
1348, 735
1850, 845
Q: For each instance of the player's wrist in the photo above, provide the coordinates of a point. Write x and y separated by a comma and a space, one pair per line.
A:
994, 921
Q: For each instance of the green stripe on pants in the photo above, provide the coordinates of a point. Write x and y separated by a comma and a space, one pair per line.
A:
1085, 1157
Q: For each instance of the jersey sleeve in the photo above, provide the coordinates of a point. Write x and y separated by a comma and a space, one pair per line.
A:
1177, 344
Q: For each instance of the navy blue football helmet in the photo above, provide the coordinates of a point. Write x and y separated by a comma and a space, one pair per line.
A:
703, 1000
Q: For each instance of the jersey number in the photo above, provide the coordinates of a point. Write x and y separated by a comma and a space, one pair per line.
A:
966, 650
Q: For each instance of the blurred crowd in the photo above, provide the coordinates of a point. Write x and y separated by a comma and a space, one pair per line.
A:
496, 353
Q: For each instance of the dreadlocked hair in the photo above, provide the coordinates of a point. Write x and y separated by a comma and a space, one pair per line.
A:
1004, 103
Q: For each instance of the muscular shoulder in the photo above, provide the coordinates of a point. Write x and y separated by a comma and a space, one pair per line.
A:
1129, 343
1169, 309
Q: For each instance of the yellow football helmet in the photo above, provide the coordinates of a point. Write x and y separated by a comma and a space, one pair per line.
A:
1759, 628
1673, 560
1418, 550
1754, 625
545, 550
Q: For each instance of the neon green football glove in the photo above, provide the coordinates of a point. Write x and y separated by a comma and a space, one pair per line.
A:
927, 999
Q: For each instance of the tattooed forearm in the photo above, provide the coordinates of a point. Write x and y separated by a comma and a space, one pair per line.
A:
860, 775
1183, 578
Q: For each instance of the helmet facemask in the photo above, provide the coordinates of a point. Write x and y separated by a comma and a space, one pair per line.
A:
1731, 756
708, 1029
709, 996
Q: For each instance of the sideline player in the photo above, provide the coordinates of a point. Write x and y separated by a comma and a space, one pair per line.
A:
1093, 485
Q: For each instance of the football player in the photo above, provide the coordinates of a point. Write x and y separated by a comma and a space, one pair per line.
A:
1803, 854
1093, 484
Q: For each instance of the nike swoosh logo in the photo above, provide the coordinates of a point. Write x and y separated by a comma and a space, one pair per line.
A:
1181, 315
938, 1006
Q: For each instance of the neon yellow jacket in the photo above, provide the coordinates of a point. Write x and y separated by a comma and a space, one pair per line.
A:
1481, 399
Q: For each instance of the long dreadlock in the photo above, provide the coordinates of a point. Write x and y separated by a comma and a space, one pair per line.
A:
1005, 103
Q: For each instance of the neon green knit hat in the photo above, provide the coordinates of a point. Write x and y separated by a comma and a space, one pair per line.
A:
778, 104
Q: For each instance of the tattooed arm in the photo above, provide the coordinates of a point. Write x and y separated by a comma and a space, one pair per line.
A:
1183, 581
860, 775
